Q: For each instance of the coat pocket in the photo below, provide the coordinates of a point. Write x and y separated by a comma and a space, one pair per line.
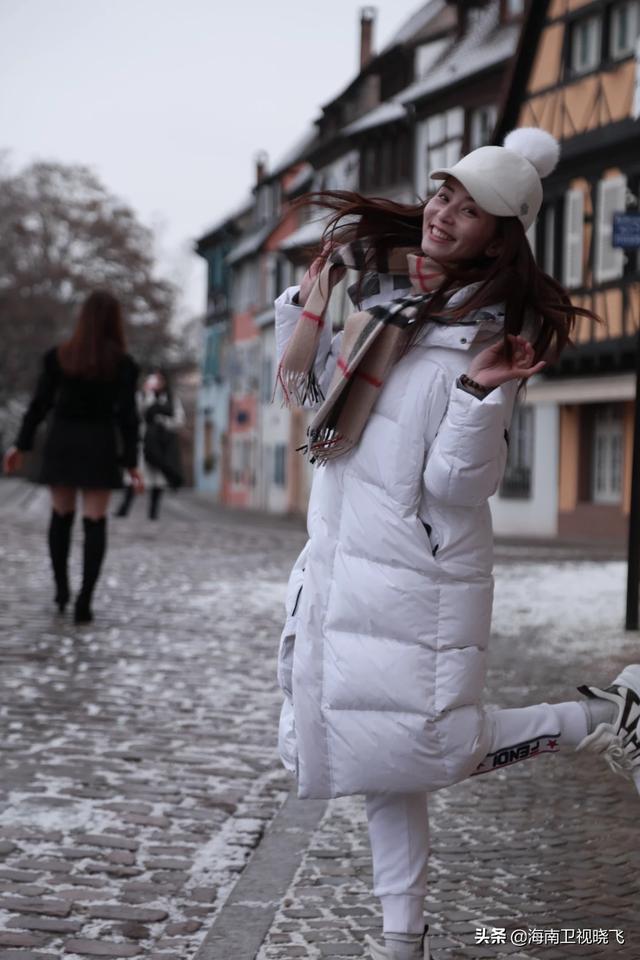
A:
432, 536
285, 664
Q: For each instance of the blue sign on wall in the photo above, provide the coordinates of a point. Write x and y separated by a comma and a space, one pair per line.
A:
626, 230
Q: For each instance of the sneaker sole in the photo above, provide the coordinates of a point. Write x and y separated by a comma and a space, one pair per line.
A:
629, 678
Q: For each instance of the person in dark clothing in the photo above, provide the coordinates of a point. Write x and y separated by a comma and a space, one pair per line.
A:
88, 385
161, 418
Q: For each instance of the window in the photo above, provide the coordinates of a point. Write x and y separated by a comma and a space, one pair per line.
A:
443, 134
369, 166
607, 455
427, 55
279, 464
270, 266
209, 457
611, 198
211, 365
245, 285
516, 482
284, 274
244, 372
384, 161
483, 120
624, 28
242, 460
585, 44
573, 238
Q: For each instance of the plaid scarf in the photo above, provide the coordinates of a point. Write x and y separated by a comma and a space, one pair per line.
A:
372, 342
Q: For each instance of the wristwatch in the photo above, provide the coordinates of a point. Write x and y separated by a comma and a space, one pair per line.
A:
473, 387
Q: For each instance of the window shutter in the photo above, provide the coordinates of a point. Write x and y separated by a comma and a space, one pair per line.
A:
573, 238
611, 199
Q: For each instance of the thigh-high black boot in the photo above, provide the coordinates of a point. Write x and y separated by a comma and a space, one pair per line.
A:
125, 504
155, 496
95, 545
59, 542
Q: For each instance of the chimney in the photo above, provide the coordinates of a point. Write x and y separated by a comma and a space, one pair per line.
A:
367, 21
262, 159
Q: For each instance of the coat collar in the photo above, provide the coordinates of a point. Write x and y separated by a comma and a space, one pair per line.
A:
480, 326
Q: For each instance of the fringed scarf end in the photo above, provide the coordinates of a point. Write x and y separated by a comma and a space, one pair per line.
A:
298, 389
327, 444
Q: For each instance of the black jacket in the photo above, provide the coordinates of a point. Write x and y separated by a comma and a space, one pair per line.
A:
73, 399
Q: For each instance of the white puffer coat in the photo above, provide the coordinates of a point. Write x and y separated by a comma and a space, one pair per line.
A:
383, 655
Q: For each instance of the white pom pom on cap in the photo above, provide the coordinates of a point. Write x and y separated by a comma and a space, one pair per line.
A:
537, 146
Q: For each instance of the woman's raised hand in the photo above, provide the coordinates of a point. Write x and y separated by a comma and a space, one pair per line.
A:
491, 367
311, 275
12, 460
137, 480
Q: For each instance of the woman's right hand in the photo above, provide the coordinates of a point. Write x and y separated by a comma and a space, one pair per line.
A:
311, 275
137, 480
12, 460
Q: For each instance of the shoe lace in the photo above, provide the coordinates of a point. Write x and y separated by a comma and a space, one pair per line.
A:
619, 759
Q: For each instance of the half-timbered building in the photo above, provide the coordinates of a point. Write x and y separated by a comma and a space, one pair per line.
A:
576, 75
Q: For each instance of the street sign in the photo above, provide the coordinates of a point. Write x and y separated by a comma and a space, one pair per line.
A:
626, 230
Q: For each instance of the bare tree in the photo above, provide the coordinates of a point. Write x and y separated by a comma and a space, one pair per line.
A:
62, 234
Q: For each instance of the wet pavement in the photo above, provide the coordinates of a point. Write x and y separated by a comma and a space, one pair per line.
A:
141, 794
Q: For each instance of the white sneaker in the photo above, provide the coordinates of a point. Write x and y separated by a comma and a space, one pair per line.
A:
618, 742
405, 947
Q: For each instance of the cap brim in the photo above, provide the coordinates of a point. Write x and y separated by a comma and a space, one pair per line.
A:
487, 198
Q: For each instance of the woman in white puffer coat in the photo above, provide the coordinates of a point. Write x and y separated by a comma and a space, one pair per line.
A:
383, 654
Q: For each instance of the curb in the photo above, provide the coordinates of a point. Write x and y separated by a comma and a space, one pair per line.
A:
246, 918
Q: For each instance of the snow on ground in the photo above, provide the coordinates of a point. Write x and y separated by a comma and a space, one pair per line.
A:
575, 603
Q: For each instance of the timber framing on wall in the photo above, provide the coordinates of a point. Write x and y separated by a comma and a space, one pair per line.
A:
517, 78
588, 106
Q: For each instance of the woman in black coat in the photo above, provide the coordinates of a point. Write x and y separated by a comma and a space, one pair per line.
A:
88, 384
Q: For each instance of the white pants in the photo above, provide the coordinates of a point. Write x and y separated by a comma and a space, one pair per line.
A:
399, 822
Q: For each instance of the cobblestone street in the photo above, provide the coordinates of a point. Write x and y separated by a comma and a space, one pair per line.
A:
139, 771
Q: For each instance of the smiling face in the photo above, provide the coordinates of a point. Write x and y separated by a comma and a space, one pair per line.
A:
455, 228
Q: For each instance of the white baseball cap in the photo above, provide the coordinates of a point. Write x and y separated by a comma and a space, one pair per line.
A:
505, 181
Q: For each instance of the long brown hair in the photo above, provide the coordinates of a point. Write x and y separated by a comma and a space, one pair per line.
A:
512, 278
98, 342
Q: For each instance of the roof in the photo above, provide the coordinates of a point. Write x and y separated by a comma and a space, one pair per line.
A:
385, 112
415, 24
302, 177
250, 243
307, 235
484, 45
411, 28
294, 154
224, 223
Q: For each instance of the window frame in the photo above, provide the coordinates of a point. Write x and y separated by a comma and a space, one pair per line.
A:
621, 53
517, 479
572, 238
605, 418
603, 231
280, 465
600, 18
